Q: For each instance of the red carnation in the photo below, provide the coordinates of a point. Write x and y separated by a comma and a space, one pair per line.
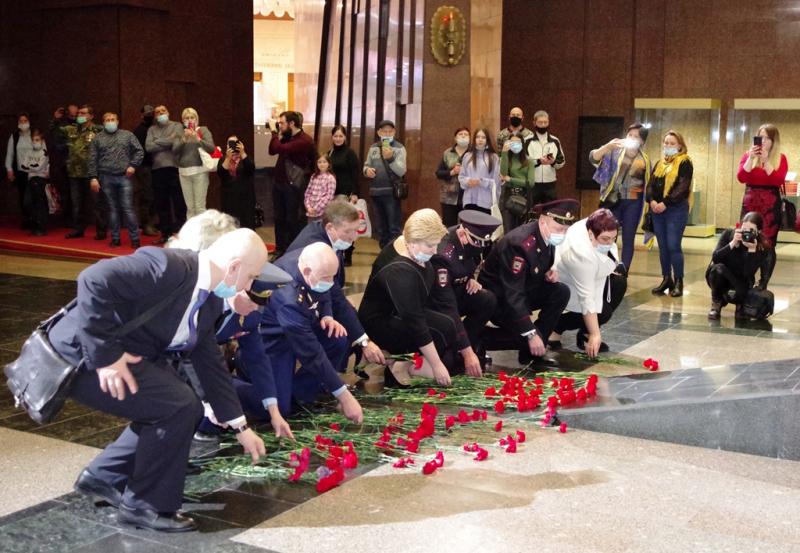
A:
449, 422
442, 395
412, 447
439, 458
490, 392
512, 445
463, 417
418, 359
476, 415
431, 392
481, 454
429, 467
335, 426
520, 436
499, 426
403, 462
350, 460
499, 407
563, 427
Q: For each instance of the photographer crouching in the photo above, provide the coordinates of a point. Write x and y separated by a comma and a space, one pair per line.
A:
731, 274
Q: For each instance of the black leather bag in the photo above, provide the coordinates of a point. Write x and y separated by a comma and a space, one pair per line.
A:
758, 304
40, 378
297, 176
399, 184
788, 212
516, 205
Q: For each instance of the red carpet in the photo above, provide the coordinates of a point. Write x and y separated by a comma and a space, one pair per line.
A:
55, 245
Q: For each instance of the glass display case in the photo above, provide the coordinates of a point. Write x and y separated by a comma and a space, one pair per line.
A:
698, 121
746, 116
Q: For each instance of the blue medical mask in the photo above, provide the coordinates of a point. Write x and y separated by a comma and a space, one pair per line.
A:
603, 249
423, 257
224, 291
111, 126
163, 118
463, 142
670, 151
341, 245
555, 239
322, 286
81, 119
515, 147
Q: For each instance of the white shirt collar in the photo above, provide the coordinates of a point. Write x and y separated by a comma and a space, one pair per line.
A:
203, 271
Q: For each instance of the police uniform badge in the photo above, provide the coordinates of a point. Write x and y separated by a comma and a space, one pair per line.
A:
516, 264
441, 275
449, 250
529, 242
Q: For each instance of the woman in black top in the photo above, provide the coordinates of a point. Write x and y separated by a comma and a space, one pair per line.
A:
347, 169
396, 310
739, 254
236, 174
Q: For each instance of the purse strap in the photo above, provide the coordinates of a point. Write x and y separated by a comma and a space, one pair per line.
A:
389, 171
125, 329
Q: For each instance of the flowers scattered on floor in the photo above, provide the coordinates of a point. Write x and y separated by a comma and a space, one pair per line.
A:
650, 364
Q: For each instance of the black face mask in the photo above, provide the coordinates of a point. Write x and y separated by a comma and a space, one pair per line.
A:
542, 130
515, 121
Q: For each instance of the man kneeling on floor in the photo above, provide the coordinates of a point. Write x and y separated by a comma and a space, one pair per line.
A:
131, 312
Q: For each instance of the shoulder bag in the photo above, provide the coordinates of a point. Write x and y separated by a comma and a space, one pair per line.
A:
788, 212
399, 184
40, 378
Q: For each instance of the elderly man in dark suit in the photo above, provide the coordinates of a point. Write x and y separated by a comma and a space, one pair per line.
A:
128, 374
338, 228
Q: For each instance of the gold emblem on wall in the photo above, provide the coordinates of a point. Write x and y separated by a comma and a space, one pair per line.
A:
448, 35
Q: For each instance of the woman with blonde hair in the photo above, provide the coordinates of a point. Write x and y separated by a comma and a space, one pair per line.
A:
400, 310
762, 170
669, 197
193, 175
200, 231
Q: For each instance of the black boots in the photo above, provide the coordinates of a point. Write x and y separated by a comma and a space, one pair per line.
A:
666, 284
677, 289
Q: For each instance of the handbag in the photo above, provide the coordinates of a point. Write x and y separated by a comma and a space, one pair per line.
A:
40, 378
364, 224
788, 212
399, 184
516, 204
758, 304
209, 161
296, 175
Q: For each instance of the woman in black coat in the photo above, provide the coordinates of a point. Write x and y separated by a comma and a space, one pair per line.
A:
236, 174
347, 169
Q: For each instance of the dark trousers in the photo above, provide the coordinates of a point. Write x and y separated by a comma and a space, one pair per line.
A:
450, 215
476, 309
143, 195
169, 203
668, 227
302, 385
543, 192
79, 194
721, 280
613, 294
628, 213
21, 182
386, 219
36, 203
549, 298
119, 194
147, 463
287, 205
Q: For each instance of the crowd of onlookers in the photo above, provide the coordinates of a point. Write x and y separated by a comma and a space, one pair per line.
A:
155, 177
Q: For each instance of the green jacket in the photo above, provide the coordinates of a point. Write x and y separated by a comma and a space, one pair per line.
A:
521, 177
77, 138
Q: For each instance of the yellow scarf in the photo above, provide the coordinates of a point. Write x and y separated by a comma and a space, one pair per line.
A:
668, 168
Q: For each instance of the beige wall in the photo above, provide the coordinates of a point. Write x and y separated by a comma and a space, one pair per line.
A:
486, 31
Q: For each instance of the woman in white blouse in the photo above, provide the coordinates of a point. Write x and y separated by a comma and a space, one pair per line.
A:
588, 263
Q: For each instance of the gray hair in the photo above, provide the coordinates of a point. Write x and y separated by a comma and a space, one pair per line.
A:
540, 113
199, 232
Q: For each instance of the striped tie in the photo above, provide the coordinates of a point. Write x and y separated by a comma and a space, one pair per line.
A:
202, 296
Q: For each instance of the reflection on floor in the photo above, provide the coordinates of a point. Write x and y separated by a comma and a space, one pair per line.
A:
588, 491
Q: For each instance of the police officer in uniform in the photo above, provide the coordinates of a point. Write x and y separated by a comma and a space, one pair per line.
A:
456, 262
519, 270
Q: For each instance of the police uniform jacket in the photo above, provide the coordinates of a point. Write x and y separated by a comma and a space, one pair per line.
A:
293, 316
343, 310
114, 291
515, 269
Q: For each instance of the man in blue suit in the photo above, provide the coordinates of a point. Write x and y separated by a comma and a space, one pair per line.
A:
298, 325
129, 375
338, 229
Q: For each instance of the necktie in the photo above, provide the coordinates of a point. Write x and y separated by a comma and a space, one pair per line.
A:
202, 296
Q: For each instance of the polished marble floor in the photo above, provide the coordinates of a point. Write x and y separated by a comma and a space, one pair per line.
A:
586, 490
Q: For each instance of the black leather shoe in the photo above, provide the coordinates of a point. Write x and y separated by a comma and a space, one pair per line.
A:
153, 520
74, 234
677, 289
555, 344
666, 284
580, 341
115, 244
100, 236
90, 485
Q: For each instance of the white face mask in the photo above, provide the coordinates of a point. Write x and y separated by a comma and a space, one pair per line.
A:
555, 239
603, 249
24, 126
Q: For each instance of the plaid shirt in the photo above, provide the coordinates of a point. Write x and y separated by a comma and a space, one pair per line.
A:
320, 192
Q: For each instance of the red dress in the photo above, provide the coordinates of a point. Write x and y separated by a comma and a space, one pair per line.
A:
762, 194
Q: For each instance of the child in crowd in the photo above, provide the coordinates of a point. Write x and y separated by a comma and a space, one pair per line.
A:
37, 165
320, 189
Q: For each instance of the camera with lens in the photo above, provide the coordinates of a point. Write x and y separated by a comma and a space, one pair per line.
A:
749, 235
